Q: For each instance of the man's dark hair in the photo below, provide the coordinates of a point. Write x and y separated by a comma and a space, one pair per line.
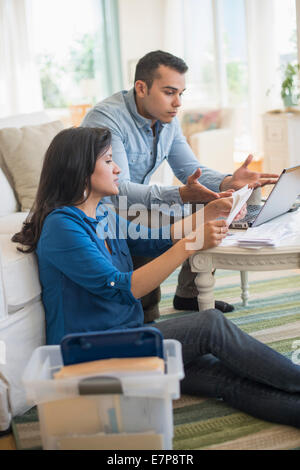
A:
146, 69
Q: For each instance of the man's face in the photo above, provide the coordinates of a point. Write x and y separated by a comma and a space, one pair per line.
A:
163, 99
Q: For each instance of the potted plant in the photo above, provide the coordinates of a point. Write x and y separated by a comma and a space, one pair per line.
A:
289, 87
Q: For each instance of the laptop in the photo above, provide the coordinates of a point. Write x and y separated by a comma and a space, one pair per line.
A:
281, 200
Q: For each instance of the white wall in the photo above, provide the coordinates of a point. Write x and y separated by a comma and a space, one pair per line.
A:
141, 30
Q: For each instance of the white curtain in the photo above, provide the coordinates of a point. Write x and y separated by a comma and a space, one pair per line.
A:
262, 65
20, 89
173, 42
173, 37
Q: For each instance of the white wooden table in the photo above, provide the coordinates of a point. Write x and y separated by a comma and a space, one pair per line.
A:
285, 256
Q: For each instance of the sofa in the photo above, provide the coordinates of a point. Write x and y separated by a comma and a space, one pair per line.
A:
23, 141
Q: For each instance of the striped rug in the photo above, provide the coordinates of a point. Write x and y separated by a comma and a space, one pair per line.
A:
273, 317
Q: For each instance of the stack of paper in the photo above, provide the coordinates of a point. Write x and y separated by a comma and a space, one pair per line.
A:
255, 242
240, 198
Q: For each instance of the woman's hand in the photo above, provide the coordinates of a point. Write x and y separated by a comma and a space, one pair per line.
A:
218, 208
206, 236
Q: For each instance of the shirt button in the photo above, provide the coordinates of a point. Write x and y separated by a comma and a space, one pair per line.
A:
112, 283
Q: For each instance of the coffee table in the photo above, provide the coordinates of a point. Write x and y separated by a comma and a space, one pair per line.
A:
285, 256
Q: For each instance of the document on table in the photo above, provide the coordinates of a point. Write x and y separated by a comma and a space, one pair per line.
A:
240, 198
247, 240
284, 230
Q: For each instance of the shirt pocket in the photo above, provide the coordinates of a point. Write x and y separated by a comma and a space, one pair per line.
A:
122, 258
139, 165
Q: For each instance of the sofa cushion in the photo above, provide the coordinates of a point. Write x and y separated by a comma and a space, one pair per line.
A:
20, 276
23, 152
8, 202
12, 223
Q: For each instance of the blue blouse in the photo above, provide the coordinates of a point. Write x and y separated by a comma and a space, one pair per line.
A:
84, 287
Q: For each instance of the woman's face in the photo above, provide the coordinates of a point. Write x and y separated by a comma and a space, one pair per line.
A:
104, 180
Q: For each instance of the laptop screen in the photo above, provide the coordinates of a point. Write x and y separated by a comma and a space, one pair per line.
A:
282, 197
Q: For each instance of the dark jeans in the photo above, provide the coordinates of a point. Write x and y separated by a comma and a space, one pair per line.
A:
149, 301
222, 361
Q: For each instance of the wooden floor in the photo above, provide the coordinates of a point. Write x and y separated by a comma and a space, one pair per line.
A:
7, 442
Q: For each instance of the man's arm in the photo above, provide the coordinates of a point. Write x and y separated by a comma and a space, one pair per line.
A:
184, 163
154, 194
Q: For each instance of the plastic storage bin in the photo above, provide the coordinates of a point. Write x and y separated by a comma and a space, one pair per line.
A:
104, 412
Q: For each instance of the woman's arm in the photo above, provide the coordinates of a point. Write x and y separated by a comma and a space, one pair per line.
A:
151, 275
213, 210
199, 230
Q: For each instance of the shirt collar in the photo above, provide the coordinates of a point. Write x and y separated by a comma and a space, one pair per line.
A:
86, 217
140, 120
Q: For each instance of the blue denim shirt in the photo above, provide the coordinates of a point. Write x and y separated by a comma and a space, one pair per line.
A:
84, 287
132, 148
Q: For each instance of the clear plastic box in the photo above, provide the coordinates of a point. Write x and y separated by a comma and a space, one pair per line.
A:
80, 413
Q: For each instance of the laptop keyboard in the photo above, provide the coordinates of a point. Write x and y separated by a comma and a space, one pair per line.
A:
252, 211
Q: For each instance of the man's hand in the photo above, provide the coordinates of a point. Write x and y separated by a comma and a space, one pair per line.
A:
243, 176
218, 208
193, 191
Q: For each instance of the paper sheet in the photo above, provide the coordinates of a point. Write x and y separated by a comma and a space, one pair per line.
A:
240, 198
282, 231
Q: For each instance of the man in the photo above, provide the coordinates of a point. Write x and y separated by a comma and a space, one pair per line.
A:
145, 131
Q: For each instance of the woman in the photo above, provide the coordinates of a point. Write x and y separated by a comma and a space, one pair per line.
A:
89, 284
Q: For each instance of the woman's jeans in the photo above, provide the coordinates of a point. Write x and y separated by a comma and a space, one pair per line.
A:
222, 361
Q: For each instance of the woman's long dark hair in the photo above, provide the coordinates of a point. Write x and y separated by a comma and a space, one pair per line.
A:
65, 178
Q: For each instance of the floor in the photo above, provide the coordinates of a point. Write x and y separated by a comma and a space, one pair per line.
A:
7, 442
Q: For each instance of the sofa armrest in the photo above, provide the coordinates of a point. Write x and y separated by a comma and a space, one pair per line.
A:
214, 148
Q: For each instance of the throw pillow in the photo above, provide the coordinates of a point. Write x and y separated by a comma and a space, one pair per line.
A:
193, 122
23, 151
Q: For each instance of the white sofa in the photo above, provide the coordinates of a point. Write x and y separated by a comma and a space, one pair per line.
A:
22, 322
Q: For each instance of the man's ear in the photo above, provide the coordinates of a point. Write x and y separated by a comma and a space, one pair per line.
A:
141, 88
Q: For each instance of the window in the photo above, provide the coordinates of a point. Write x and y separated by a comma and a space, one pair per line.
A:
72, 52
232, 31
199, 53
286, 31
216, 50
237, 51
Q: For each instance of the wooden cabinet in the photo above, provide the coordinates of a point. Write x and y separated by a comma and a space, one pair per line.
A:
281, 141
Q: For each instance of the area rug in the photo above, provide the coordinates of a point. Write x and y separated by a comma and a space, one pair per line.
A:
273, 317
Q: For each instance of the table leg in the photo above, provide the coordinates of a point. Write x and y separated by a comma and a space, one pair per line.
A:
244, 287
205, 282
